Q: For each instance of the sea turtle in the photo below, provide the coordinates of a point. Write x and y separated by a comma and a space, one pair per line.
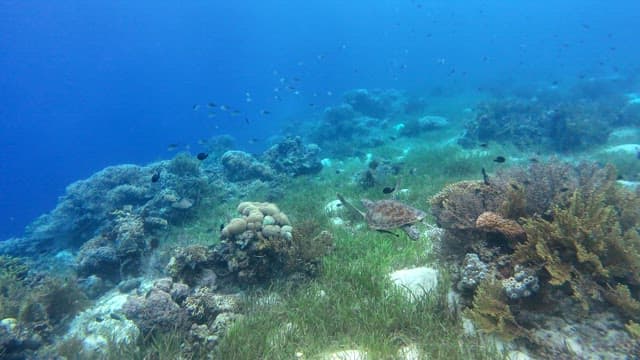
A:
386, 215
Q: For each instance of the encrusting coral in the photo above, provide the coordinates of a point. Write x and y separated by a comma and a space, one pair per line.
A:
493, 222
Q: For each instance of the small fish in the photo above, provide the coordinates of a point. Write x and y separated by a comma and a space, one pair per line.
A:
500, 159
155, 177
484, 145
115, 316
619, 177
195, 107
172, 147
212, 105
265, 112
389, 189
564, 189
246, 120
253, 140
221, 227
201, 156
534, 160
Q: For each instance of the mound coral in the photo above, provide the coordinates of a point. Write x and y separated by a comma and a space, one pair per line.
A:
262, 244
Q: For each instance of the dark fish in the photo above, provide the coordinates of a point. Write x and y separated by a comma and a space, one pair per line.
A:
246, 120
534, 160
155, 177
195, 107
221, 227
499, 159
388, 190
201, 156
115, 316
172, 147
484, 145
619, 177
211, 104
564, 189
265, 112
99, 319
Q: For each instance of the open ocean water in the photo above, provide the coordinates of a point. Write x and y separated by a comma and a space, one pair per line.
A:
90, 85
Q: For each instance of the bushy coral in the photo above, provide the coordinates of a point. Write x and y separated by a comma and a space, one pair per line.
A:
580, 241
491, 312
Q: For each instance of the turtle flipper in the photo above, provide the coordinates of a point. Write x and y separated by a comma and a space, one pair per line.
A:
349, 206
412, 232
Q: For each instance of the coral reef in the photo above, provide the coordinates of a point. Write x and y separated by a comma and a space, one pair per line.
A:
417, 126
240, 166
86, 209
564, 235
560, 123
293, 158
376, 103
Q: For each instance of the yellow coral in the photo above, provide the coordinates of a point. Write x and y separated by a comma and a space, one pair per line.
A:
492, 314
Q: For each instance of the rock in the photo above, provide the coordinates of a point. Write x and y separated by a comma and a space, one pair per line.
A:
128, 285
103, 324
102, 261
410, 352
416, 282
346, 355
155, 312
431, 122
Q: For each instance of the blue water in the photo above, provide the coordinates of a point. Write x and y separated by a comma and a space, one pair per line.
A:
86, 85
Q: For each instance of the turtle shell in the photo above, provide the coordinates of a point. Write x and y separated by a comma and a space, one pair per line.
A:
390, 214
